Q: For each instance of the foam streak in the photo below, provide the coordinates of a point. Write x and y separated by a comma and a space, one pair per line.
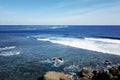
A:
9, 54
7, 48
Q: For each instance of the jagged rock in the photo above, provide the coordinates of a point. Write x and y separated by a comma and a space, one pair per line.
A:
104, 73
108, 62
114, 71
57, 59
85, 74
119, 67
52, 75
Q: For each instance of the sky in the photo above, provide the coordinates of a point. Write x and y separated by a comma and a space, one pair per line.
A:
60, 12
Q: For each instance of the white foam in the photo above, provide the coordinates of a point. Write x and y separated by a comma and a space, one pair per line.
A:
71, 67
104, 40
46, 39
9, 53
53, 63
7, 48
47, 61
110, 46
56, 27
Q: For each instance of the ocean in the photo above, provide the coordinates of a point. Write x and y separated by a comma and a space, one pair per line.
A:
26, 51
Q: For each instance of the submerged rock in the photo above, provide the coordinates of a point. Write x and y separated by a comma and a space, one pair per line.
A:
54, 62
58, 59
108, 62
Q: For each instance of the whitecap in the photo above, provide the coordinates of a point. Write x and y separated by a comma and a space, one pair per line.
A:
7, 48
47, 61
56, 27
71, 67
10, 53
46, 39
52, 62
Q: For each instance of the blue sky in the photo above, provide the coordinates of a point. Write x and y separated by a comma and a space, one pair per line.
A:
74, 12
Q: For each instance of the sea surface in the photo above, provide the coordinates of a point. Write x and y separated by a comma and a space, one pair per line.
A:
26, 51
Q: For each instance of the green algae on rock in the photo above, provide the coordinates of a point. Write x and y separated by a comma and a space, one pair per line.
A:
52, 75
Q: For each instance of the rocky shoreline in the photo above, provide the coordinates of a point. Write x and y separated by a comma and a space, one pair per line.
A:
109, 72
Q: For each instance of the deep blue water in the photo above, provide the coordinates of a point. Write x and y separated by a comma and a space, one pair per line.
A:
107, 31
26, 50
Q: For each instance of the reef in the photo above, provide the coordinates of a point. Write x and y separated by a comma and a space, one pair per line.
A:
110, 72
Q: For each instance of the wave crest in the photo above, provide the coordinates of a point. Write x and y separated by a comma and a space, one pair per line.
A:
103, 45
56, 27
104, 40
7, 48
10, 53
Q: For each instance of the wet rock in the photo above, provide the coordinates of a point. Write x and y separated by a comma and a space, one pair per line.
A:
40, 78
108, 62
119, 67
103, 75
114, 71
85, 74
57, 59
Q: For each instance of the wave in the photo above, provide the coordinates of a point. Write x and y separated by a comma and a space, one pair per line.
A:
10, 53
56, 27
104, 40
53, 63
7, 48
103, 45
71, 67
27, 36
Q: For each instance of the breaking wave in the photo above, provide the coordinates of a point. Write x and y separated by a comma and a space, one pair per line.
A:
52, 63
71, 67
7, 48
10, 53
104, 40
104, 45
